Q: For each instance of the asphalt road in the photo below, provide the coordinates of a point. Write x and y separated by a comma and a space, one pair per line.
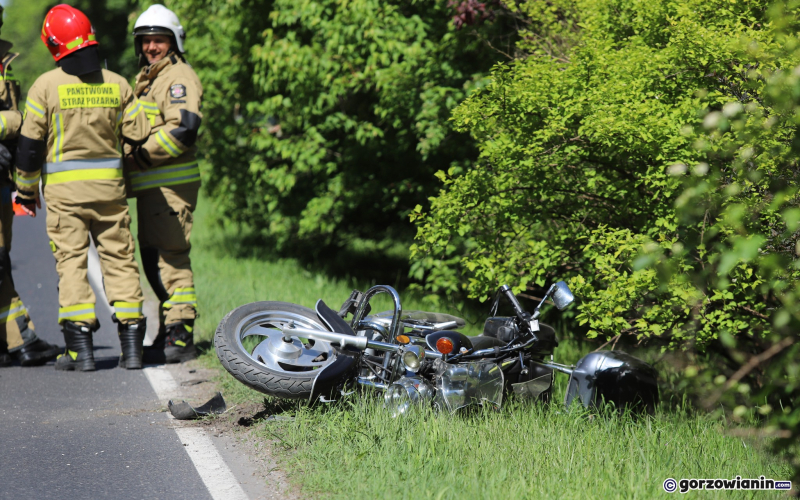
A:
82, 435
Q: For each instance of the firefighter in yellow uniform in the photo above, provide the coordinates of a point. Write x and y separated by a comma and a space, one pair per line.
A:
76, 118
165, 178
18, 340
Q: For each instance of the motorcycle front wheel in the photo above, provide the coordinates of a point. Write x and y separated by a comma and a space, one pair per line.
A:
250, 345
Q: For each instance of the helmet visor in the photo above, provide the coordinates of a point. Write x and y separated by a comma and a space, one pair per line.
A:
152, 30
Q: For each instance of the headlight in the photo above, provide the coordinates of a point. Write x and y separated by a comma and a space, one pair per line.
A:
406, 392
412, 357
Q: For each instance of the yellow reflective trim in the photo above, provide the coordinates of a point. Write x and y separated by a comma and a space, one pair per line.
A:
3, 127
89, 95
28, 181
166, 176
72, 354
127, 315
92, 174
137, 110
134, 109
151, 110
167, 183
182, 296
77, 317
53, 246
165, 142
92, 38
78, 312
71, 45
128, 310
13, 311
16, 314
58, 139
34, 107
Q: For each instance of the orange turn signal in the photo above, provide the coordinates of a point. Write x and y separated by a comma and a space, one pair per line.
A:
444, 345
403, 339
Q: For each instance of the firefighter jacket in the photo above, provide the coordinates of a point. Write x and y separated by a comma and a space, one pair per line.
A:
170, 93
10, 116
72, 134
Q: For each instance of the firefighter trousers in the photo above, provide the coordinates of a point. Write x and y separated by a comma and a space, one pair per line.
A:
16, 327
108, 223
165, 226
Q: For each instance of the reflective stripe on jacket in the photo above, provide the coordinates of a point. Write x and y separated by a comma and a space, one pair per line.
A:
170, 175
72, 131
82, 170
170, 94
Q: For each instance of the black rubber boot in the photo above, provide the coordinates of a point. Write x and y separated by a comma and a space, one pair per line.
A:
5, 357
154, 354
131, 338
35, 353
79, 354
179, 342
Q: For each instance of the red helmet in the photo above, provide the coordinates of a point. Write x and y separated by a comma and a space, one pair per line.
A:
65, 30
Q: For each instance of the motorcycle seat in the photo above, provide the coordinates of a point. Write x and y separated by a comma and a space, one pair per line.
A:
332, 320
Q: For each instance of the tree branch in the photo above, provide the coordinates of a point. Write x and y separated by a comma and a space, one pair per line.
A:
750, 366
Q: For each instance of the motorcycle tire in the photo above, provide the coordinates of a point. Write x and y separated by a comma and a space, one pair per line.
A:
247, 370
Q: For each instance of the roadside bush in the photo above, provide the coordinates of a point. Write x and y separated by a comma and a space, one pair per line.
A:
740, 218
580, 143
646, 151
326, 121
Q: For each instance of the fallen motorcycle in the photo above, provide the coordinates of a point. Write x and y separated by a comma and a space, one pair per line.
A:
415, 357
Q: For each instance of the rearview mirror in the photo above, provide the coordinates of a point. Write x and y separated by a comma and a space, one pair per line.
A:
562, 296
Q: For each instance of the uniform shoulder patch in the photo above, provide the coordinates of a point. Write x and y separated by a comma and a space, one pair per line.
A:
177, 91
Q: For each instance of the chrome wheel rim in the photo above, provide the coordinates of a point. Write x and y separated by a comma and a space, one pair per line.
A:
260, 337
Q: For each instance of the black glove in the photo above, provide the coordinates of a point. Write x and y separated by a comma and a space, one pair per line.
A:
6, 161
27, 202
141, 157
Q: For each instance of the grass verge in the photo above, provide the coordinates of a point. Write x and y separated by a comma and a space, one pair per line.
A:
525, 450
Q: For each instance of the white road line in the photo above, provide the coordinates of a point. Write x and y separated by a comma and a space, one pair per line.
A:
215, 473
162, 382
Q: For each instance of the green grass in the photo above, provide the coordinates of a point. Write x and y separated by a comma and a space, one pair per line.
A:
354, 449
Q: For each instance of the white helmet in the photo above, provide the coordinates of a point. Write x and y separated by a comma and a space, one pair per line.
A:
158, 20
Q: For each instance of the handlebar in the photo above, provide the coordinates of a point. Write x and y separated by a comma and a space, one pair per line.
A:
521, 313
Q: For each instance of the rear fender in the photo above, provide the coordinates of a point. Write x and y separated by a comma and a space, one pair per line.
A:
344, 367
336, 374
